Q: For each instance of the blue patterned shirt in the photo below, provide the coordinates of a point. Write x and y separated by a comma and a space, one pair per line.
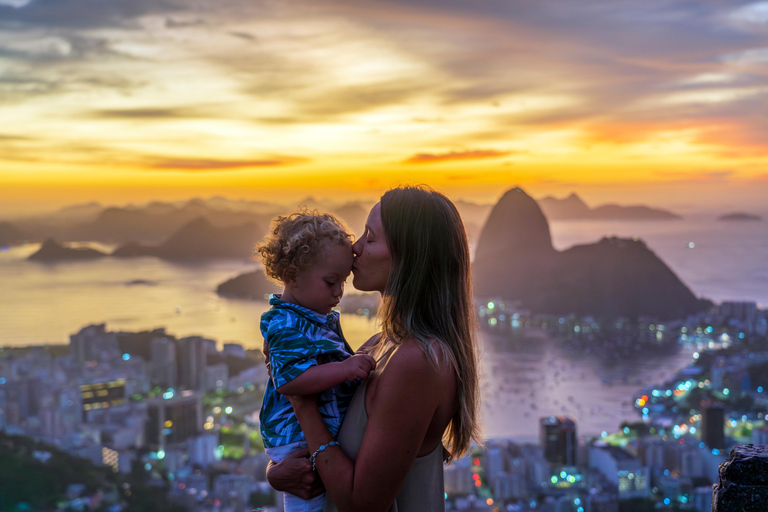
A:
297, 337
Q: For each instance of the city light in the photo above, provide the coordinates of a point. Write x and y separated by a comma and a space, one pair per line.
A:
228, 410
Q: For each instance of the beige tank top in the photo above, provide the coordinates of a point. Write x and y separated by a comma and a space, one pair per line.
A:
423, 489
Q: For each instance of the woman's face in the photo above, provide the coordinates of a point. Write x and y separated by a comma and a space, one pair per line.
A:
373, 261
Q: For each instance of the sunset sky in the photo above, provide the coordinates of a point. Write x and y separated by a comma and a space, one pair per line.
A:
662, 102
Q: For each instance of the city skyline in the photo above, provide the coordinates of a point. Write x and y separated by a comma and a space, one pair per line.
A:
624, 102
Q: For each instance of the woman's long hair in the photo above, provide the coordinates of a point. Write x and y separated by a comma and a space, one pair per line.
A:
428, 296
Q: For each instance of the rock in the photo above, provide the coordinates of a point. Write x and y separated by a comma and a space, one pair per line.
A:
747, 465
252, 285
53, 251
614, 277
743, 482
199, 239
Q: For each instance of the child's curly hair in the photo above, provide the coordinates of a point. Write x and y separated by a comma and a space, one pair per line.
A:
296, 239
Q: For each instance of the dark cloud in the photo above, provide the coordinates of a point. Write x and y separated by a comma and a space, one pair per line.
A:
180, 23
206, 164
477, 154
82, 13
143, 113
244, 35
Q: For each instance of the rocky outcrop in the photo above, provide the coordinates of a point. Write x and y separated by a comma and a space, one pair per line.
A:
252, 285
200, 239
614, 277
52, 251
743, 481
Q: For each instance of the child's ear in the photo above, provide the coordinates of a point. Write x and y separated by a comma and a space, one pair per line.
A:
289, 276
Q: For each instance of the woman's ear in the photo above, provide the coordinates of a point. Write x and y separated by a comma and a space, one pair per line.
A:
289, 276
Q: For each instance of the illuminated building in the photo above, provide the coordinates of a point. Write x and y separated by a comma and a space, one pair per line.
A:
163, 370
712, 427
101, 395
173, 419
558, 439
458, 477
622, 469
93, 343
193, 358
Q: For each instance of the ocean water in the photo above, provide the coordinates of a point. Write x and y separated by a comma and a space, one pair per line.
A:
45, 303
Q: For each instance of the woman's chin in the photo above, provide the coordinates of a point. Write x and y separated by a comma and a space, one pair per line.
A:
360, 285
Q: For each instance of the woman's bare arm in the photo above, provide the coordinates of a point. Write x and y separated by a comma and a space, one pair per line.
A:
397, 425
294, 475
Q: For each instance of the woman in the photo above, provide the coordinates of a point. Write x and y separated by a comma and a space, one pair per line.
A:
424, 391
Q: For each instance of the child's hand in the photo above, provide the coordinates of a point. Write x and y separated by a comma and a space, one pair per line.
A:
358, 366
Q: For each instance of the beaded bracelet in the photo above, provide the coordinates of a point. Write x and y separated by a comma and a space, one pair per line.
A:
321, 449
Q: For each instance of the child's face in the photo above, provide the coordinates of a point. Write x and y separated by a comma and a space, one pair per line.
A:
321, 286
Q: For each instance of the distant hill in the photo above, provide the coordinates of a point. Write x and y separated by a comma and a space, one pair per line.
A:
354, 215
614, 277
52, 251
10, 235
154, 223
199, 239
251, 285
574, 208
740, 217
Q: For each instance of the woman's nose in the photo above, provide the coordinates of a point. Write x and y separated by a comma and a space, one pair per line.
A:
357, 246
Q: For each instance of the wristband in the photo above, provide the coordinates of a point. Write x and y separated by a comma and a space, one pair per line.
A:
321, 449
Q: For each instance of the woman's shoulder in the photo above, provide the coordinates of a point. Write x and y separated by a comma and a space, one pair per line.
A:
414, 357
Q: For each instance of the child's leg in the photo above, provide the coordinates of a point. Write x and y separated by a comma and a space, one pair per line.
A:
290, 502
295, 504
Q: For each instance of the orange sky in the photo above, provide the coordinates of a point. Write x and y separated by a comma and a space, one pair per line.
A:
127, 101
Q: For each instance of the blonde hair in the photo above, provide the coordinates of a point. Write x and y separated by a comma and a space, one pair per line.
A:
428, 296
295, 240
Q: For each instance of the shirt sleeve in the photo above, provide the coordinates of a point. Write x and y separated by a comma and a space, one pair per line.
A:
291, 353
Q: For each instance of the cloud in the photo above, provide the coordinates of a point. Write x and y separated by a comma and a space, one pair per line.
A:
477, 154
712, 177
206, 164
81, 13
142, 113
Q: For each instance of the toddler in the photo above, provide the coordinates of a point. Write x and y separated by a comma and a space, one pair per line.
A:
310, 254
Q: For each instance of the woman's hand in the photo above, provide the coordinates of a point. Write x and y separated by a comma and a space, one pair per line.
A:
294, 475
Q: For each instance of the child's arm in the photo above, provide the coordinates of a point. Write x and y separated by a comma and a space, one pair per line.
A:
324, 376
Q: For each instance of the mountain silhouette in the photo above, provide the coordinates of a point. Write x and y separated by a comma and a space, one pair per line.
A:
251, 285
574, 208
199, 239
739, 217
51, 251
614, 277
10, 235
